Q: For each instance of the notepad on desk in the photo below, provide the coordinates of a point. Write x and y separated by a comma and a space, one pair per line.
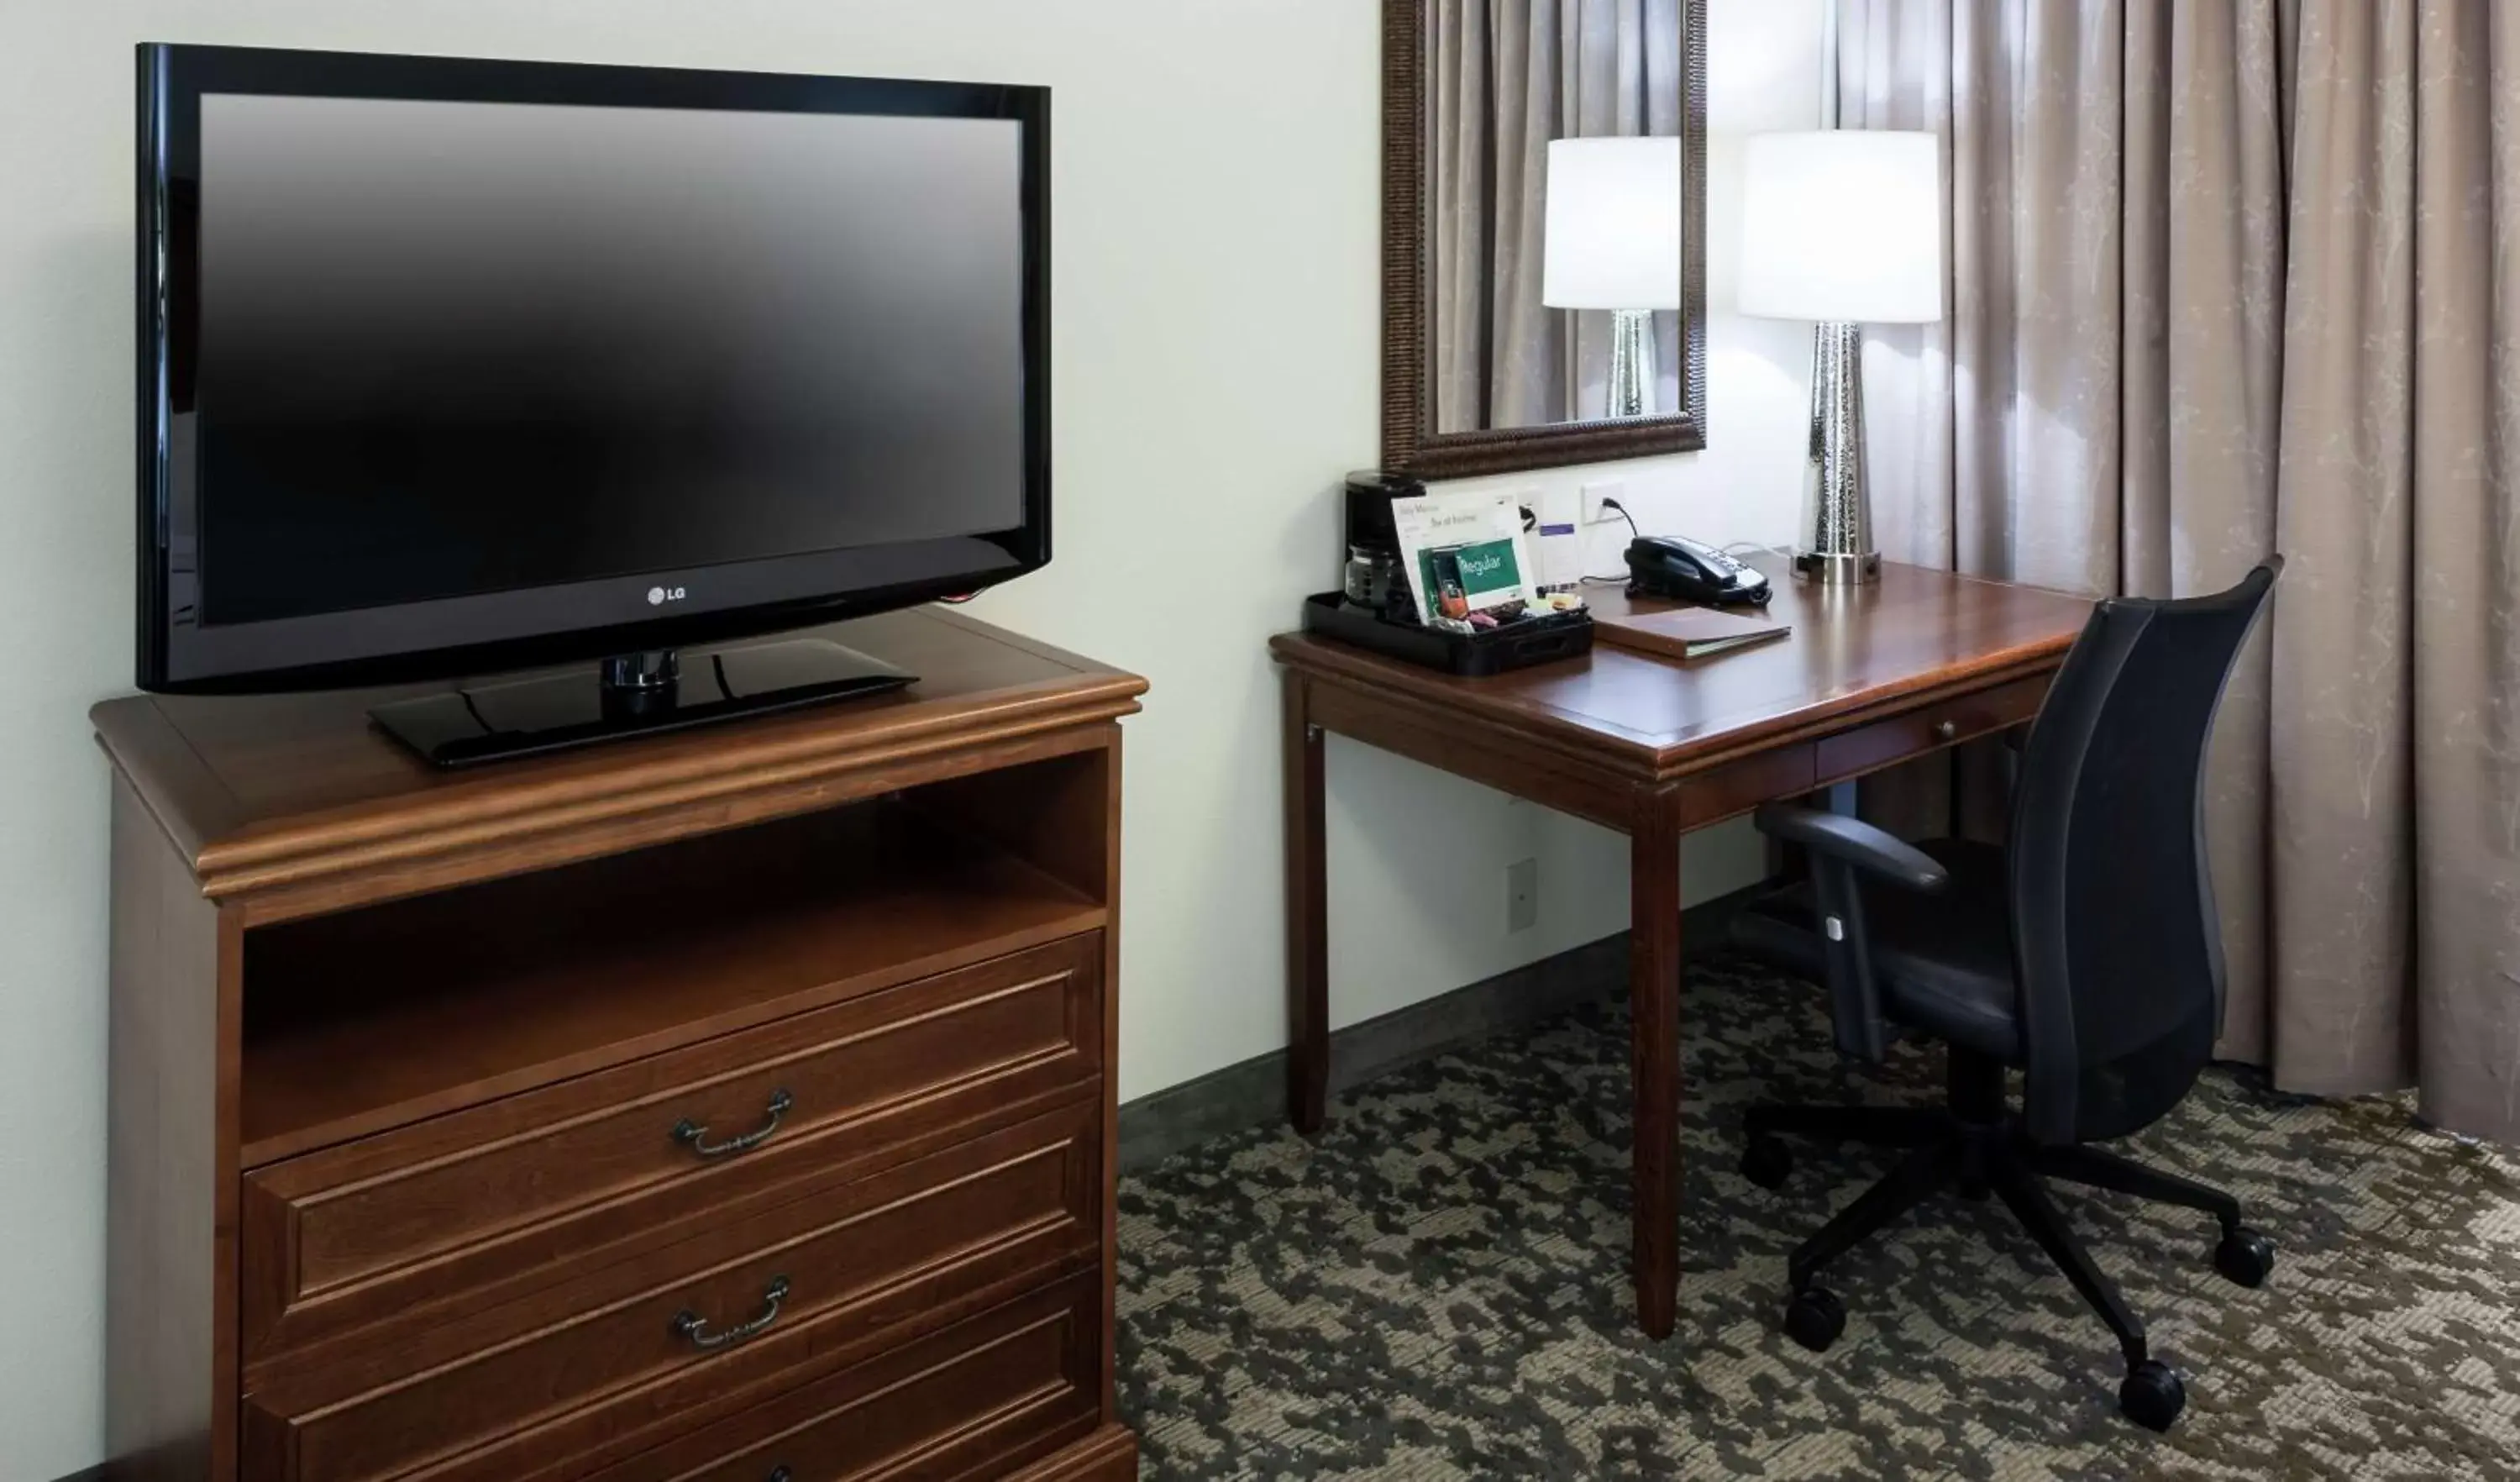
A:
1684, 632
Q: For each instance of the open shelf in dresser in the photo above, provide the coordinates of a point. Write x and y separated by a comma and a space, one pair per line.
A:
364, 1020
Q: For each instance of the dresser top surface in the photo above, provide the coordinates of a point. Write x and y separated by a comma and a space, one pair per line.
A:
241, 780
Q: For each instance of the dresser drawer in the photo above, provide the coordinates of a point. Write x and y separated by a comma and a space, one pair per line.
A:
977, 1399
481, 1204
666, 1341
1868, 748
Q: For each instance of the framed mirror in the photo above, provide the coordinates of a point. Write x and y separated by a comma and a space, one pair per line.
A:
1544, 231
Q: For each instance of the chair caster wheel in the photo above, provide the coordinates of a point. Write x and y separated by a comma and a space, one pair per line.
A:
2245, 1256
1814, 1317
2151, 1395
1767, 1161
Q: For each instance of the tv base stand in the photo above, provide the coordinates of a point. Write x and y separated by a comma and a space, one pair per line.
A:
632, 694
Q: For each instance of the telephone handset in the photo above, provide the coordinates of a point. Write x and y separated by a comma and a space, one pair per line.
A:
1670, 565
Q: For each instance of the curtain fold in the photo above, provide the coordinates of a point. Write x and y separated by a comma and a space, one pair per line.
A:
1508, 76
2465, 513
2229, 279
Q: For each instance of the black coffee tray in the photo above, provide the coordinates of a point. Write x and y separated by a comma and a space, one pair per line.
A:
1538, 638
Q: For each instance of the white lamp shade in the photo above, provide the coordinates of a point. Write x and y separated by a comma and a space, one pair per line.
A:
1612, 238
1842, 225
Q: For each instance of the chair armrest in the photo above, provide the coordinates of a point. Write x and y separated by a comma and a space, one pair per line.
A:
1871, 849
1840, 847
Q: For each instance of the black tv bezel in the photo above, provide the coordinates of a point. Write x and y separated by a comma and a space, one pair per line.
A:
534, 626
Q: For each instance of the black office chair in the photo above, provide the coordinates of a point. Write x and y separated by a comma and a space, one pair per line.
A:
2086, 953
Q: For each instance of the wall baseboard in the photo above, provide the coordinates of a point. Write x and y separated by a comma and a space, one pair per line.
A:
1247, 1094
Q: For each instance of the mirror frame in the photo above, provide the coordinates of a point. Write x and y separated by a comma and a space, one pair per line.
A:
1410, 442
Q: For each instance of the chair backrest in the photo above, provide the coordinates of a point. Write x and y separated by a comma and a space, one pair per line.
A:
2115, 937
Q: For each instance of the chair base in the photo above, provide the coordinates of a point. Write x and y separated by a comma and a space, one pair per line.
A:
1974, 1147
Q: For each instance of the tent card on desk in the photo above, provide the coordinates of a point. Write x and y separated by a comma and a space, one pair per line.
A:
1684, 632
1464, 553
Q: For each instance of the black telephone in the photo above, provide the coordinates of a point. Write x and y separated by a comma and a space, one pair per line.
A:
1667, 565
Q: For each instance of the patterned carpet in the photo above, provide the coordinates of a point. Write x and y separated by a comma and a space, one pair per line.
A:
1438, 1287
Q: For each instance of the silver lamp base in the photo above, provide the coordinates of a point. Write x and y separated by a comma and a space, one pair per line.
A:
1836, 546
1831, 568
1632, 363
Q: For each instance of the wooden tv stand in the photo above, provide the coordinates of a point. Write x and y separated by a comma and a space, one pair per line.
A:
734, 1105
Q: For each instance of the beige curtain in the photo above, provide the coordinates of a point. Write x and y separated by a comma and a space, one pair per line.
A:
1506, 77
2233, 277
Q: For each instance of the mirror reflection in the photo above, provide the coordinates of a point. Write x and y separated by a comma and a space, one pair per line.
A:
1553, 197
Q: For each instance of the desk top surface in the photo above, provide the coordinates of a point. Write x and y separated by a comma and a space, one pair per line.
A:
1915, 631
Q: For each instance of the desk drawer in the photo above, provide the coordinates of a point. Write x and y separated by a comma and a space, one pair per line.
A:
1943, 723
993, 1392
481, 1204
666, 1340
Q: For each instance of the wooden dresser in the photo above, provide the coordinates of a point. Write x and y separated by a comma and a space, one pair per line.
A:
731, 1105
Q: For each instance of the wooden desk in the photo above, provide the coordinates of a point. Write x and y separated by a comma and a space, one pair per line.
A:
1871, 677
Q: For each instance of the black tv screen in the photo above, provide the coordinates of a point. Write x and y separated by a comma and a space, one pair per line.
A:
451, 365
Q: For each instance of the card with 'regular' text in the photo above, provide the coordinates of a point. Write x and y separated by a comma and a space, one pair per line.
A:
1464, 553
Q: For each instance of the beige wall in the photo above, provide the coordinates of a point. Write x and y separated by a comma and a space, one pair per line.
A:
1216, 294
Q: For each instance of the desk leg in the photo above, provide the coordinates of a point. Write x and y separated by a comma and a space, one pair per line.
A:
1308, 948
1654, 987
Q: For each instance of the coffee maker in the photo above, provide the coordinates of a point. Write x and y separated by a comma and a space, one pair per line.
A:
1375, 578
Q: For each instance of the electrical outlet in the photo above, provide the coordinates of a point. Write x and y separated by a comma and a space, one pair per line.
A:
1594, 494
1522, 895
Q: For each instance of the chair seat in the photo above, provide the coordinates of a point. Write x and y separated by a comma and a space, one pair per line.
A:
1943, 961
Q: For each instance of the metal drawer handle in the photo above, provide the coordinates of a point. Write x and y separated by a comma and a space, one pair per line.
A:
1945, 730
691, 1132
688, 1324
778, 1474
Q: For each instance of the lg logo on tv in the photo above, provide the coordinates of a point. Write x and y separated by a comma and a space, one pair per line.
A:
657, 597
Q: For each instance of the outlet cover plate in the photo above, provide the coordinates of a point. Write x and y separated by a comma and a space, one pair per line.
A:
1522, 895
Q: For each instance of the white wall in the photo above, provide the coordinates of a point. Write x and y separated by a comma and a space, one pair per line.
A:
1217, 301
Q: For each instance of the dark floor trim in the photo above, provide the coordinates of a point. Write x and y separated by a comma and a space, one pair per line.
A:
1155, 1126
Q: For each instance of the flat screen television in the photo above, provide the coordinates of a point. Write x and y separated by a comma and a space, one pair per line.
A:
452, 366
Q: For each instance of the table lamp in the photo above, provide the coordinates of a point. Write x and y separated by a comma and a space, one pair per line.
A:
1843, 227
1612, 240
